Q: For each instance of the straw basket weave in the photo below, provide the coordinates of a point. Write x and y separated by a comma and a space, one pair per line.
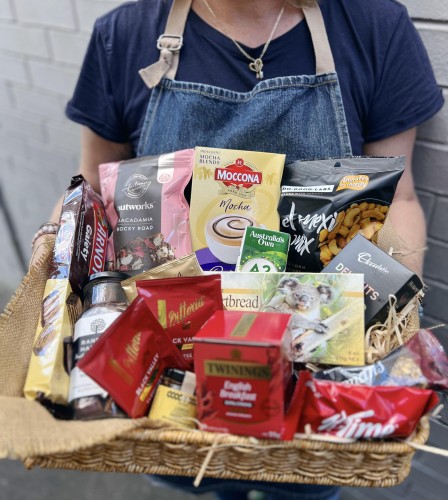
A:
30, 433
175, 452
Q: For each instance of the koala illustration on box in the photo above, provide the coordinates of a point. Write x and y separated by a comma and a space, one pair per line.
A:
303, 301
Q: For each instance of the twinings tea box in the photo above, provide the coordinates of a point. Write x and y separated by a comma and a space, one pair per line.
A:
263, 250
383, 276
243, 368
327, 309
231, 190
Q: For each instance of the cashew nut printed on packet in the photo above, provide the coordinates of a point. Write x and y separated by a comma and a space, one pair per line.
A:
325, 203
231, 190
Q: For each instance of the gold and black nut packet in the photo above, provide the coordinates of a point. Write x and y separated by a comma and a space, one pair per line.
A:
325, 203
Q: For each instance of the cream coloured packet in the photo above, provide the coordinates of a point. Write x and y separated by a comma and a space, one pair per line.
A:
47, 378
185, 266
327, 309
231, 190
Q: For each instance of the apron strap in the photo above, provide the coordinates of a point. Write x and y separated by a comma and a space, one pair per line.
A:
322, 50
169, 44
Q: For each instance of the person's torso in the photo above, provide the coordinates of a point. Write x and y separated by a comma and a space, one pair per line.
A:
355, 50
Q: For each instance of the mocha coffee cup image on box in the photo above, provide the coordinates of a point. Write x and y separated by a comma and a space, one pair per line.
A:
224, 235
231, 191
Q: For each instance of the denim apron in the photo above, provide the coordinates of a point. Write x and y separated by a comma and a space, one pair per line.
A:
302, 116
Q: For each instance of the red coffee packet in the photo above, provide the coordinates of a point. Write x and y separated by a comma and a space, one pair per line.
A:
130, 357
362, 412
182, 306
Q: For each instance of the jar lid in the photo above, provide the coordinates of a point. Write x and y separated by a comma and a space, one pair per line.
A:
115, 276
175, 374
109, 274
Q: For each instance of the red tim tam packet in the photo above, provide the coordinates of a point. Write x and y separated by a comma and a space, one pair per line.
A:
130, 357
362, 412
183, 305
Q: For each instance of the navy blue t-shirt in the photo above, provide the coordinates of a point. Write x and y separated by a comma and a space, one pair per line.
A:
386, 78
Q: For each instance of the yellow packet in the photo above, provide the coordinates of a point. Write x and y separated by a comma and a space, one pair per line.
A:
231, 190
47, 377
185, 266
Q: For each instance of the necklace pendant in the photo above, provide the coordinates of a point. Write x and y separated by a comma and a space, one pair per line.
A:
257, 66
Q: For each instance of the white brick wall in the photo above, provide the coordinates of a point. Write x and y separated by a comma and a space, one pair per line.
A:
435, 38
436, 10
431, 160
88, 11
13, 67
42, 45
68, 47
6, 11
57, 78
24, 40
53, 13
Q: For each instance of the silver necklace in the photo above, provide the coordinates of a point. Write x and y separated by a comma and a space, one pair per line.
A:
256, 64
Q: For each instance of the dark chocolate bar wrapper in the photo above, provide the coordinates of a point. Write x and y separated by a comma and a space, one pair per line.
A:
81, 241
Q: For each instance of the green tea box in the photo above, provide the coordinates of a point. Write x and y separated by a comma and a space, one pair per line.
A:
263, 251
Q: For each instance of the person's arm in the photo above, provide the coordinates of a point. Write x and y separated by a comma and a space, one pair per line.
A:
94, 151
406, 213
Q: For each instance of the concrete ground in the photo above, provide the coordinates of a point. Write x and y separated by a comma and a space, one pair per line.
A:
428, 479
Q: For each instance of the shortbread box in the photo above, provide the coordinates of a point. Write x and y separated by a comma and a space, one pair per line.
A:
244, 371
328, 310
383, 276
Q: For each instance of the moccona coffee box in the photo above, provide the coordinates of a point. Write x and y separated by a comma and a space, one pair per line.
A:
327, 309
383, 276
231, 190
244, 374
79, 251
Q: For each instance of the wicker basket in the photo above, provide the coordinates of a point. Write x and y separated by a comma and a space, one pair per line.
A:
148, 447
174, 452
